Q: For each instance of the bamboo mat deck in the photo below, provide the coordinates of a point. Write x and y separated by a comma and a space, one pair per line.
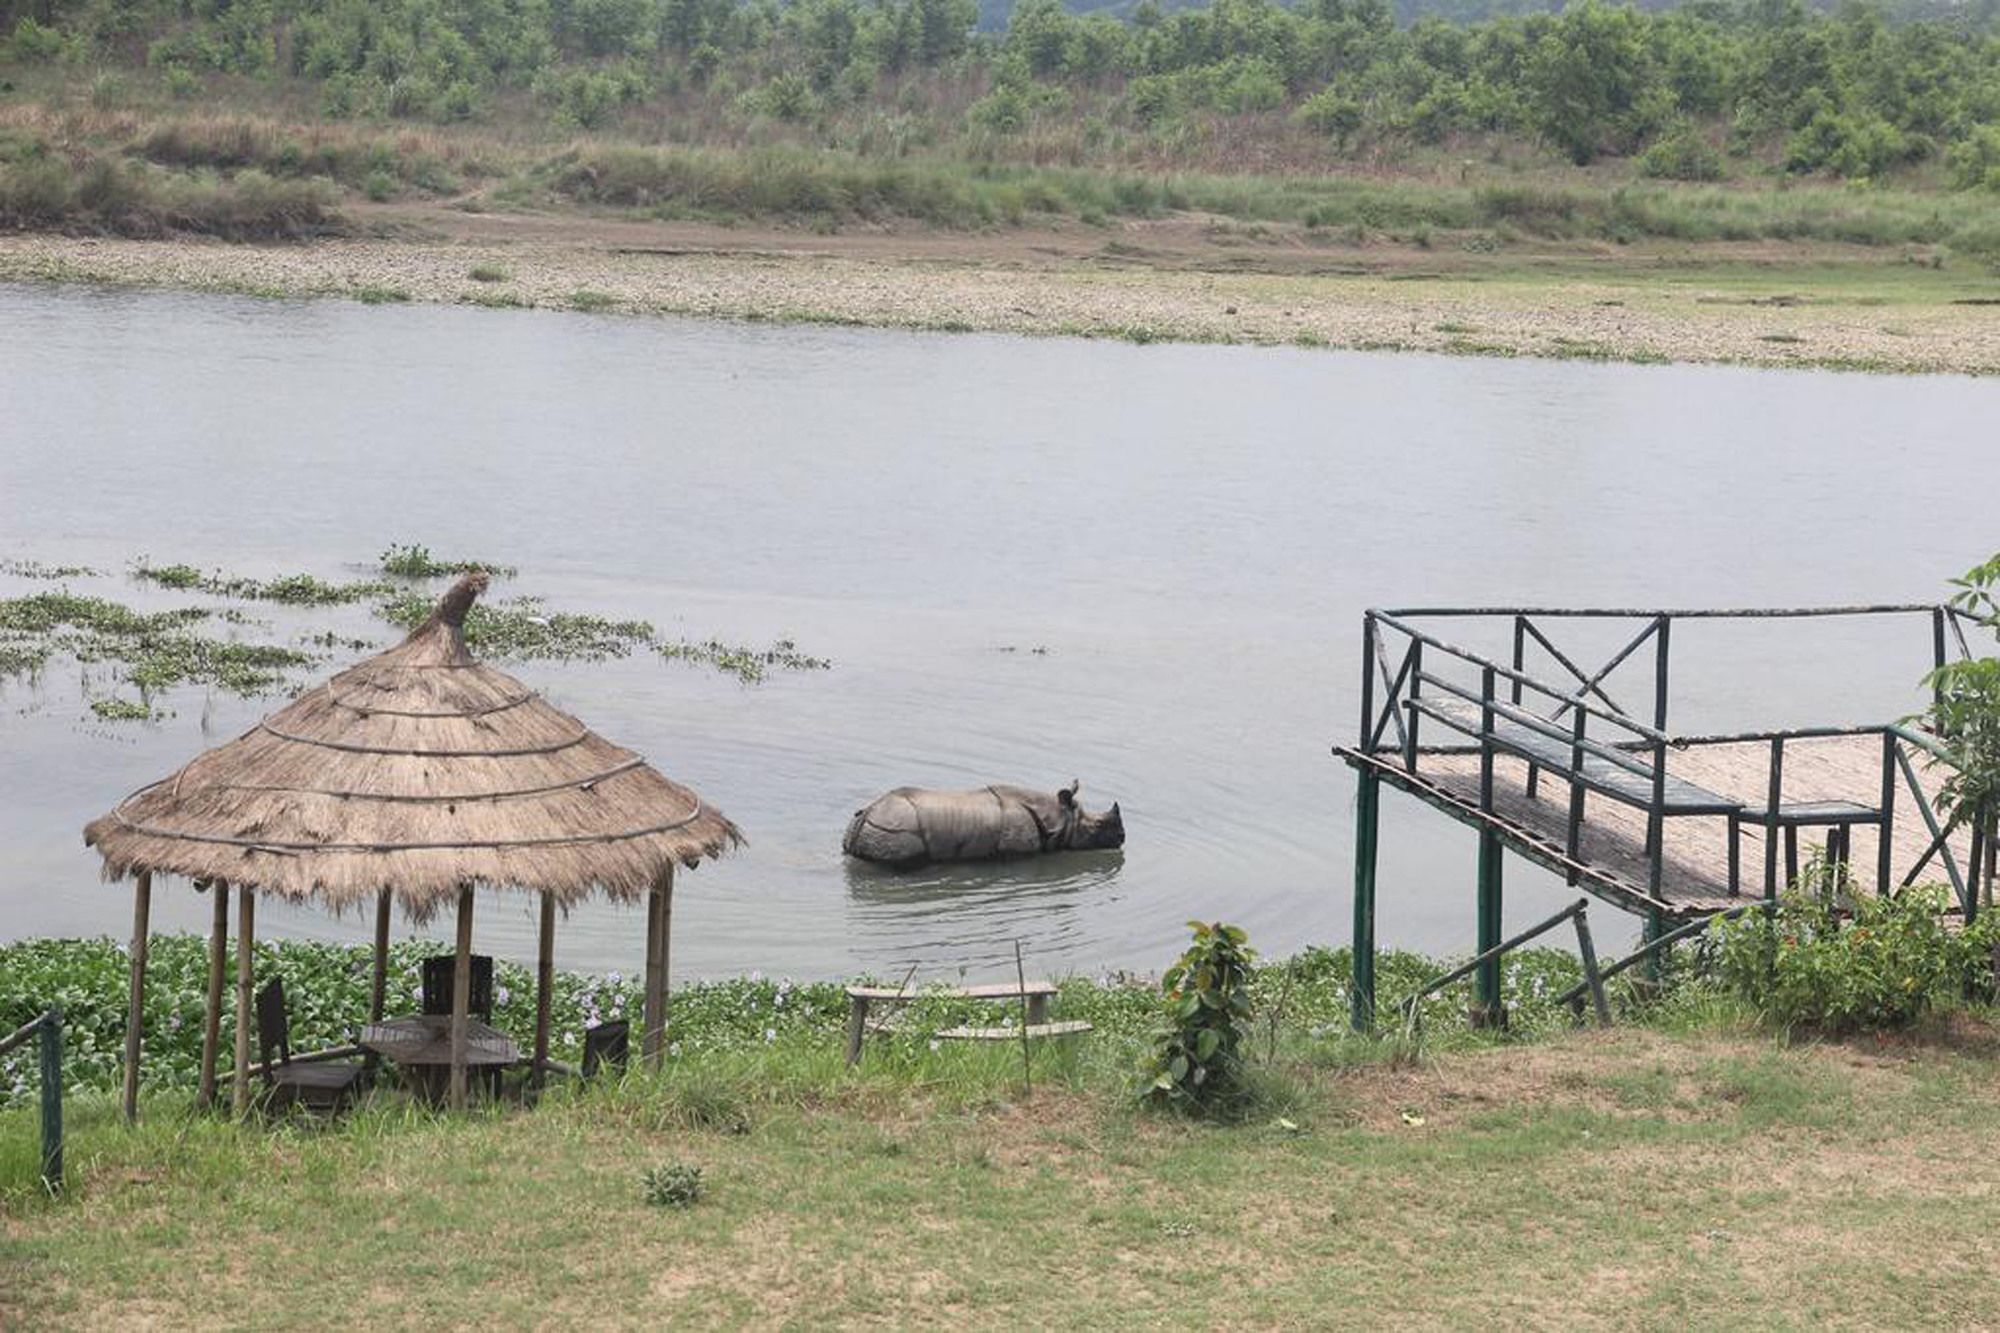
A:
1696, 878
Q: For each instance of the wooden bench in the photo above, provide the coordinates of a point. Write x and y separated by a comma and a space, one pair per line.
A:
1036, 995
1607, 770
1624, 776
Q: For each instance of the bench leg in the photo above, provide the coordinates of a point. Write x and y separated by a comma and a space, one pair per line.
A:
1791, 855
1735, 856
857, 1027
1038, 1010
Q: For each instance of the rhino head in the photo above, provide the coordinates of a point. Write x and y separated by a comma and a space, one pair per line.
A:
1083, 831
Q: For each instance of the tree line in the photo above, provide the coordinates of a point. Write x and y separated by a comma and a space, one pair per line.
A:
1853, 93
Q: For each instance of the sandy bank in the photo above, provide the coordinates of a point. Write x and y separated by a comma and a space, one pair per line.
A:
1142, 286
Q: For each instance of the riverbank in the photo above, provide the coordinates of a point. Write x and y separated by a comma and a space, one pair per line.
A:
1633, 1178
1180, 279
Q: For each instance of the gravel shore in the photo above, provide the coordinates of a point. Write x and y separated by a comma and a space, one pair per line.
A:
1018, 288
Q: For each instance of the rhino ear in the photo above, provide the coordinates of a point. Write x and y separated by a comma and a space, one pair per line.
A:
1067, 796
1114, 816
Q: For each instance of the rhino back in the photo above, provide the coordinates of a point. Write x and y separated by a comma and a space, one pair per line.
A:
887, 830
913, 824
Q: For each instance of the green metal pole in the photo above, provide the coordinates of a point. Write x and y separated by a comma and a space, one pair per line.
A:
1486, 982
1367, 806
52, 1101
1654, 969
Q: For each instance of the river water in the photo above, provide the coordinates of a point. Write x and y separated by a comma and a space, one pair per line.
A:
1028, 560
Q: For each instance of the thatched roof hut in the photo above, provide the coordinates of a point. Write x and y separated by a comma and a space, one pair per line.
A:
412, 777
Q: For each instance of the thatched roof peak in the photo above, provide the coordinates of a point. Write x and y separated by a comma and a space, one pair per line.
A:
417, 770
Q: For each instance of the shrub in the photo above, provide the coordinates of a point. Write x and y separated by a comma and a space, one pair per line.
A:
1196, 1065
673, 1185
1332, 113
1880, 963
1683, 155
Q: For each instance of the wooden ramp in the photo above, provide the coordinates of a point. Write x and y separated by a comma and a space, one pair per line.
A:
1695, 848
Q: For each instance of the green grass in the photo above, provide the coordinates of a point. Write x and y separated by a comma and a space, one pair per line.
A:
1650, 1179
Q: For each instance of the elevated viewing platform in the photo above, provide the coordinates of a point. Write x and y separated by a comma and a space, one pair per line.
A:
1536, 754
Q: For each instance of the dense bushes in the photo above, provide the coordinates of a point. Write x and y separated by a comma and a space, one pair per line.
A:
1832, 962
107, 195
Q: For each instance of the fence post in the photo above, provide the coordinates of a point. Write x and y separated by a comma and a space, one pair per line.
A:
52, 1100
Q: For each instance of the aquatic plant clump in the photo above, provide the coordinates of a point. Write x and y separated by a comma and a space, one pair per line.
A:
290, 589
158, 650
417, 562
35, 569
523, 629
329, 988
748, 664
154, 651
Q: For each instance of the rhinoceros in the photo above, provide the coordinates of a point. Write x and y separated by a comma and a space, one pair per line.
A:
910, 826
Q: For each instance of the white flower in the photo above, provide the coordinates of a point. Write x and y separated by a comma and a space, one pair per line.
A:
770, 1034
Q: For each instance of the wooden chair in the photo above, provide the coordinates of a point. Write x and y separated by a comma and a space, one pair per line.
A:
440, 970
438, 976
607, 1043
321, 1085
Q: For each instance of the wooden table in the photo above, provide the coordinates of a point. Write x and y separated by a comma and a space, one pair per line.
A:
421, 1043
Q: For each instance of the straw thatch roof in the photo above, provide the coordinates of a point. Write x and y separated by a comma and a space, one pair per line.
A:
417, 770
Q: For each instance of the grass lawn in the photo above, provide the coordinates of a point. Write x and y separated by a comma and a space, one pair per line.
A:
1634, 1178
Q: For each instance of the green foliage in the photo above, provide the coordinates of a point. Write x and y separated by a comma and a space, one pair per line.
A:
1833, 961
291, 589
1974, 163
327, 989
488, 273
102, 193
1683, 155
1965, 712
152, 651
413, 561
1198, 1064
1836, 91
673, 1185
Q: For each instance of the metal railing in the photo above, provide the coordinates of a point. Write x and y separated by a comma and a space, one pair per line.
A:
48, 1026
1549, 714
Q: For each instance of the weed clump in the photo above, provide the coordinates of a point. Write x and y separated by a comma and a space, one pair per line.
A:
673, 1185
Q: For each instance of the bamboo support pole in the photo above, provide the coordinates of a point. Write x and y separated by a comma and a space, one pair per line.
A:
246, 932
142, 899
378, 990
218, 971
652, 1044
135, 1015
545, 977
461, 998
